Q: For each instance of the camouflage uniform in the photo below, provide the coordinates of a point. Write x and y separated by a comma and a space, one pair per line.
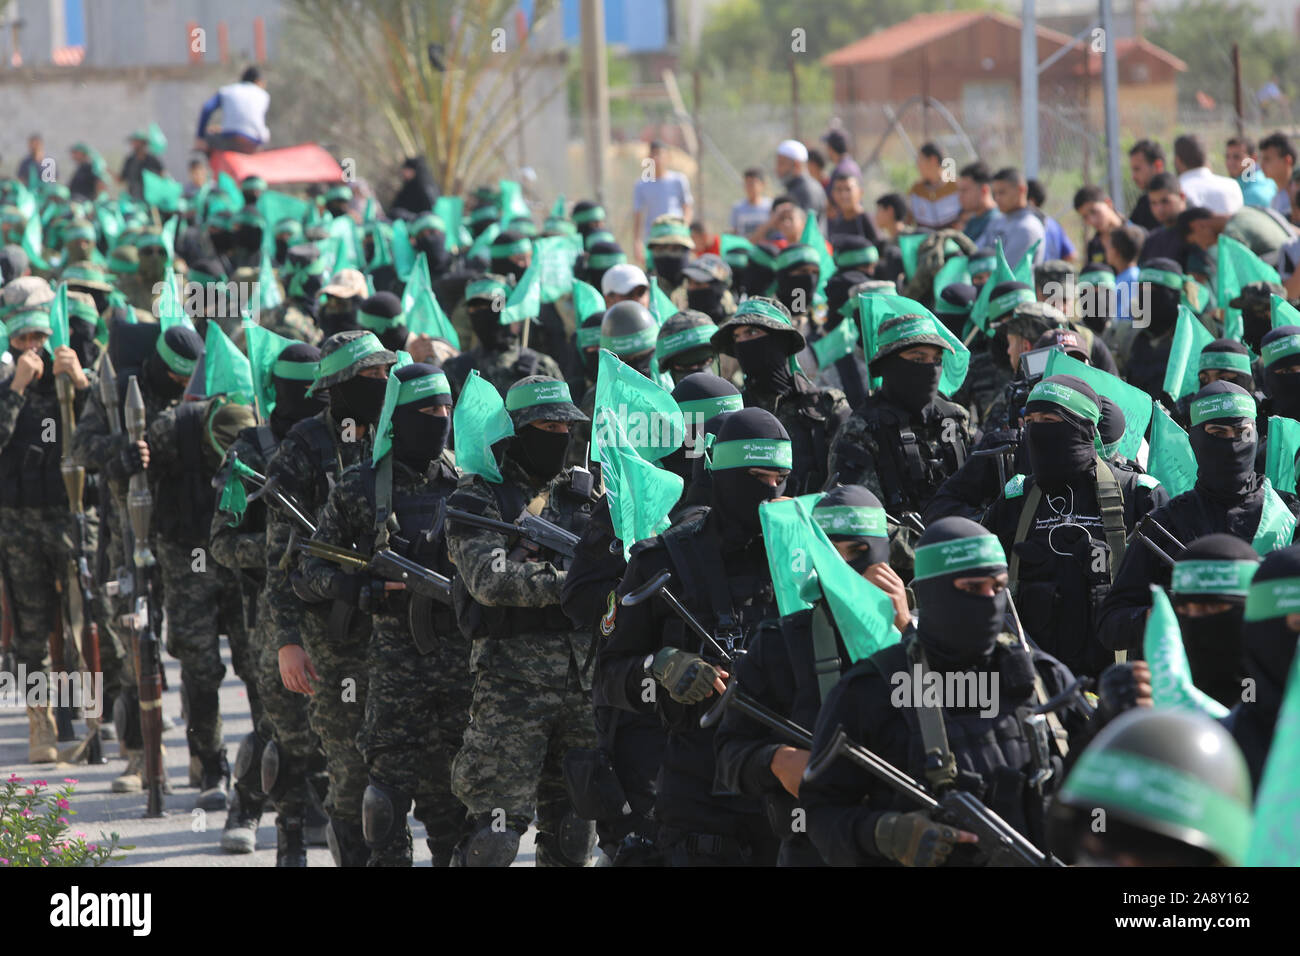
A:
417, 704
532, 688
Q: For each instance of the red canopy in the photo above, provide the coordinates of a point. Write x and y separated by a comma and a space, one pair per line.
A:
306, 163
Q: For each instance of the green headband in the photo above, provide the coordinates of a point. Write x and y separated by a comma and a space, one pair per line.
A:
377, 323
959, 554
505, 250
1222, 406
852, 520
1213, 577
751, 453
538, 393
669, 230
123, 265
427, 221
1228, 361
295, 371
1280, 348
353, 352
562, 226
487, 289
1068, 398
696, 335
339, 192
797, 256
1157, 791
589, 338
177, 363
1097, 277
1170, 280
600, 235
435, 383
982, 264
37, 319
757, 307
606, 260
1276, 598
857, 257
949, 308
290, 227
484, 213
594, 214
79, 232
82, 310
1008, 301
762, 257
706, 408
630, 344
908, 328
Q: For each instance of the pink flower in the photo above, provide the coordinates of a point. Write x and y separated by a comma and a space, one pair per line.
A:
44, 862
63, 820
80, 835
3, 861
27, 813
35, 838
40, 783
92, 846
62, 804
14, 778
58, 849
69, 779
30, 793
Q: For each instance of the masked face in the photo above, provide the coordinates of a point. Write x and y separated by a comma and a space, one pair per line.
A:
292, 405
223, 240
669, 263
540, 453
82, 340
765, 364
997, 345
160, 380
640, 362
248, 238
957, 629
756, 279
433, 245
796, 291
492, 335
1256, 323
1163, 306
707, 300
1059, 451
338, 315
281, 249
1224, 466
590, 363
736, 495
418, 437
359, 398
1284, 390
914, 385
1213, 643
679, 371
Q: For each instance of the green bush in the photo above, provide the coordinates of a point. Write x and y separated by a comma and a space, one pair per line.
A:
34, 828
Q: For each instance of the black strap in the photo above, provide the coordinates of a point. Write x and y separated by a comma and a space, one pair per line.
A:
940, 764
850, 380
826, 652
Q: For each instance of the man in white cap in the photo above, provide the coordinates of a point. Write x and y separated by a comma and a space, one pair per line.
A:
625, 282
792, 170
664, 192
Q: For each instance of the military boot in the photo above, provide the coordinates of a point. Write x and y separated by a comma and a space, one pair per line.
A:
42, 735
347, 844
290, 850
132, 778
196, 771
242, 819
214, 785
316, 822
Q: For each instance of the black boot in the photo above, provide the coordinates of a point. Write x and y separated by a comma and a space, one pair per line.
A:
242, 820
290, 850
347, 844
214, 781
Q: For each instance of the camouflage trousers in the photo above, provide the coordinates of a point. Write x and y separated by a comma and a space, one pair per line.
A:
284, 713
34, 553
201, 602
417, 706
512, 758
337, 711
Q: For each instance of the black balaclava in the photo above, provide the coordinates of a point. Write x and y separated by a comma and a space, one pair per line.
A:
1213, 641
792, 288
757, 275
81, 335
249, 237
1112, 424
223, 241
292, 403
1224, 346
486, 323
434, 246
186, 344
1163, 302
838, 288
766, 364
699, 393
540, 453
855, 496
997, 345
338, 315
386, 306
913, 385
1059, 451
1256, 323
359, 398
736, 494
669, 263
507, 267
1269, 645
590, 357
1283, 390
1225, 467
958, 630
708, 300
418, 438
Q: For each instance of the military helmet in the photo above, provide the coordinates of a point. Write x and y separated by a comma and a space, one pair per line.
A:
1172, 772
345, 354
540, 398
628, 328
686, 338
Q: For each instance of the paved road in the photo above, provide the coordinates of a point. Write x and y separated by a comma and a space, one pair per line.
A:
186, 836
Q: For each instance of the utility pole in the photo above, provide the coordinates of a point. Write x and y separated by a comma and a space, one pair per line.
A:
1236, 89
1029, 86
1110, 93
595, 86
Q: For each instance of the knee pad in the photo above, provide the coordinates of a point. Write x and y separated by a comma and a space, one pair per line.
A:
383, 813
487, 847
280, 772
126, 720
572, 846
248, 762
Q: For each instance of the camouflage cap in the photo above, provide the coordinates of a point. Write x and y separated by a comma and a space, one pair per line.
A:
766, 314
1257, 295
684, 333
86, 275
345, 354
124, 259
1029, 320
708, 268
540, 398
339, 194
669, 230
904, 332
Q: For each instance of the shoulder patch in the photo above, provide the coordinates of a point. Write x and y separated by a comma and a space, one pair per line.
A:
611, 611
1015, 487
1148, 481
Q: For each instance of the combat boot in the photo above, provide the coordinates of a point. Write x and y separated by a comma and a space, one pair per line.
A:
316, 823
132, 778
196, 772
242, 819
289, 847
214, 784
42, 735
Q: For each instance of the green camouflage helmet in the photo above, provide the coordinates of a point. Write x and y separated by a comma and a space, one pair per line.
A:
345, 354
765, 313
86, 275
540, 398
686, 338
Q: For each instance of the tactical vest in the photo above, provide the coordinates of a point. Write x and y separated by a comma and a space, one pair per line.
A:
809, 447
912, 463
184, 501
567, 507
313, 435
29, 467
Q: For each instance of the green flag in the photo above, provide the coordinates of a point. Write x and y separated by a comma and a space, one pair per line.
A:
1283, 312
226, 370
1171, 674
450, 209
647, 414
1283, 448
785, 536
525, 300
234, 497
59, 333
1132, 401
1275, 838
661, 307
556, 255
876, 308
416, 281
234, 198
1237, 267
479, 249
480, 420
955, 270
264, 348
639, 494
557, 208
812, 236
403, 253
426, 317
170, 306
1024, 269
276, 206
511, 201
33, 243
343, 244
269, 296
909, 244
979, 312
1276, 523
157, 141
586, 301
1183, 371
1170, 459
836, 344
162, 191
168, 236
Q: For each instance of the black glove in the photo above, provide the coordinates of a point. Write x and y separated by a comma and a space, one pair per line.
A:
1117, 689
125, 463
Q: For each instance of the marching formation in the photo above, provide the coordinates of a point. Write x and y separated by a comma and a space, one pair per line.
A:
917, 538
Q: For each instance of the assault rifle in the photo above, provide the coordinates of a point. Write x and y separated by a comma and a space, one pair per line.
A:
544, 534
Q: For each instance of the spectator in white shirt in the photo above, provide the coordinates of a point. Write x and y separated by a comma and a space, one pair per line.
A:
1200, 185
667, 193
243, 108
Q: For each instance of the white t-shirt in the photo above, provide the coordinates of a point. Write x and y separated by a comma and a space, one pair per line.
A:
1218, 194
669, 195
243, 110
